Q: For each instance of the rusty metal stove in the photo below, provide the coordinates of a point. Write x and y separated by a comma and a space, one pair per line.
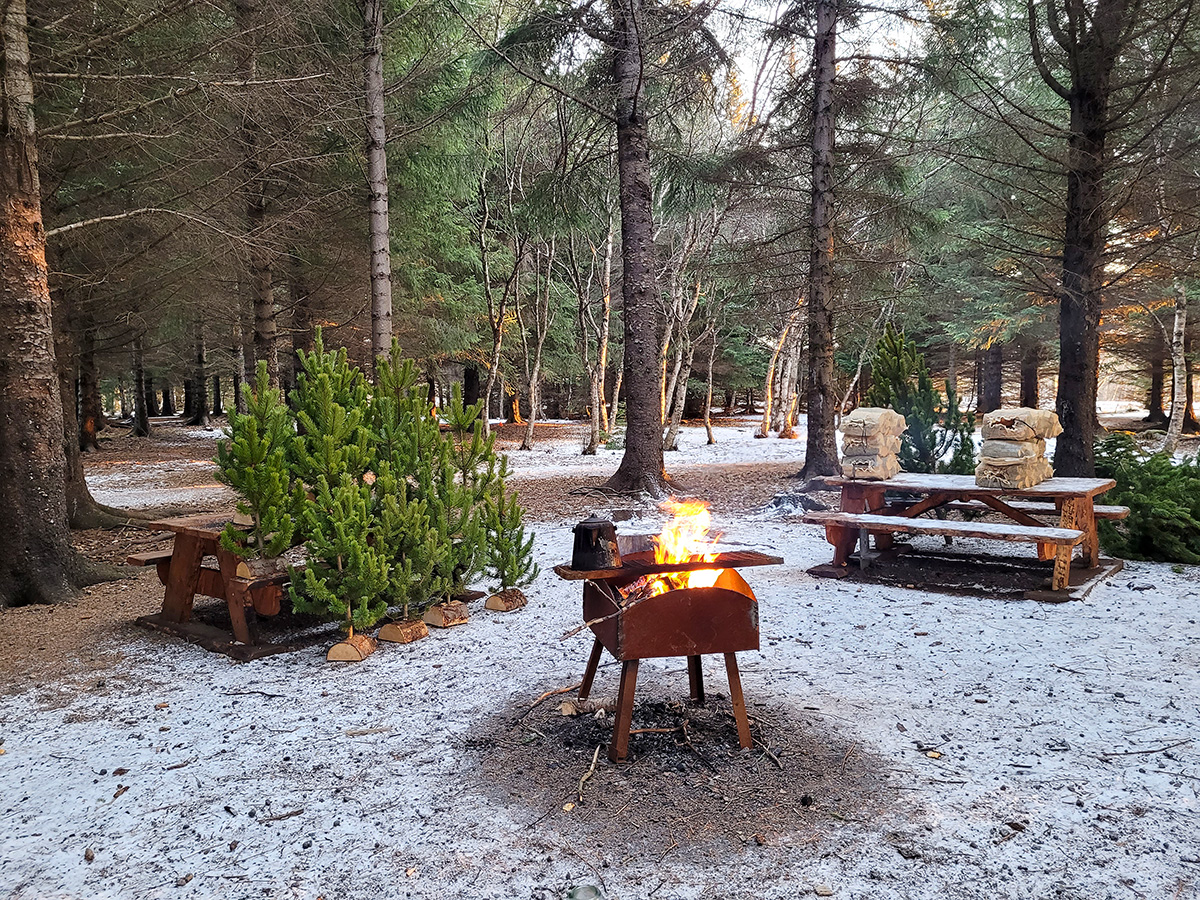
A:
690, 621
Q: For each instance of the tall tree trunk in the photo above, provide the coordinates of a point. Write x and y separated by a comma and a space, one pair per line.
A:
471, 388
821, 449
952, 368
89, 391
641, 467
141, 389
992, 377
217, 408
168, 399
1030, 364
772, 378
708, 391
1091, 43
377, 180
249, 24
38, 564
152, 407
1157, 415
1179, 372
1190, 425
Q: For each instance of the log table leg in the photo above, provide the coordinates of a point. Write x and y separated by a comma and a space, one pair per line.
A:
619, 748
696, 680
739, 701
182, 578
589, 674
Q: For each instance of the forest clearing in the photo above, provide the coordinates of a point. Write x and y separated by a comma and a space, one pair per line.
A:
907, 743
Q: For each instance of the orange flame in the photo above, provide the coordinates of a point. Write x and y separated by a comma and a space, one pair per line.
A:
685, 538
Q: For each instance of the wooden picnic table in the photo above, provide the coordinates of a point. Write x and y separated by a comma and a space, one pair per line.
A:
183, 572
866, 511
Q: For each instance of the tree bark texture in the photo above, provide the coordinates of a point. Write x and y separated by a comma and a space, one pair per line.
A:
1179, 372
168, 399
248, 20
641, 467
1091, 41
1030, 364
377, 180
37, 564
141, 389
1154, 401
993, 377
821, 449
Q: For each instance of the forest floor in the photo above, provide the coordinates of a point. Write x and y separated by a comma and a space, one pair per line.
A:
908, 744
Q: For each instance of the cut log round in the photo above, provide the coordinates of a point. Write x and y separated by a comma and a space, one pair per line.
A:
507, 600
404, 632
446, 615
355, 648
254, 569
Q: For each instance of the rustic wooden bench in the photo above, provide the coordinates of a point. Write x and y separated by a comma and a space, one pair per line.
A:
844, 528
1035, 509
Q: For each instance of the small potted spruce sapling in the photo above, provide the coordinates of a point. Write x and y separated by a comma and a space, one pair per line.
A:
509, 550
254, 463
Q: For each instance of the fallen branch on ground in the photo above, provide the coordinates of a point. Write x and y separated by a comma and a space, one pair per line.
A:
589, 773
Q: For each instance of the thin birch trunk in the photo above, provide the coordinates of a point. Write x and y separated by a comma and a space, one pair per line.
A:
377, 180
1179, 372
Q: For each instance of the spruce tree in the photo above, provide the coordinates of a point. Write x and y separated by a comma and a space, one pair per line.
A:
254, 463
901, 380
346, 573
509, 549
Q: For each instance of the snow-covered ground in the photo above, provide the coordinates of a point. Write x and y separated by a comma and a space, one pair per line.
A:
1067, 736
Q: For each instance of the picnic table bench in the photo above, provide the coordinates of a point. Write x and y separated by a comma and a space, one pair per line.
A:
183, 572
865, 512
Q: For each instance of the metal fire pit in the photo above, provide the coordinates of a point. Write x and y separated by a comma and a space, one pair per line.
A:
682, 622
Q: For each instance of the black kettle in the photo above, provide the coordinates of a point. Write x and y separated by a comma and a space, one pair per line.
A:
595, 545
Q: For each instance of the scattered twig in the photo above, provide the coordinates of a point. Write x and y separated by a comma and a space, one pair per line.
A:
589, 773
687, 738
546, 696
1145, 752
360, 732
674, 844
282, 816
1065, 669
655, 730
186, 762
261, 693
774, 758
846, 758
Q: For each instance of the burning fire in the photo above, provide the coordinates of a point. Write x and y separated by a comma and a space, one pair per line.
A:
685, 538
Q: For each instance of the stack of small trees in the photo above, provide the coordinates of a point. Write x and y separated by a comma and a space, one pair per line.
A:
394, 511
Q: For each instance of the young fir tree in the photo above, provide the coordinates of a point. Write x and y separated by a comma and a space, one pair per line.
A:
347, 571
254, 463
509, 550
900, 379
408, 440
346, 574
462, 476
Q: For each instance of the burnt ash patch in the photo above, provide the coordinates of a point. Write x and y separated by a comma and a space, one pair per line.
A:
687, 788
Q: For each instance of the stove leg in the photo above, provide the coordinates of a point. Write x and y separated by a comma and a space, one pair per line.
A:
619, 748
589, 674
739, 701
696, 680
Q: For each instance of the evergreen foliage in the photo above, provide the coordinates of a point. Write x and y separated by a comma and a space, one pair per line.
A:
254, 463
509, 549
901, 380
1163, 497
346, 572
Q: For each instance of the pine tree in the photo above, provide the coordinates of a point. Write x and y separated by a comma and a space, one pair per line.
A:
509, 550
254, 463
408, 441
900, 379
346, 574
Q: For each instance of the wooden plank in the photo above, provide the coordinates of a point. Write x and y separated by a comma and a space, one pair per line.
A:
148, 558
1034, 508
919, 483
993, 531
738, 700
635, 568
213, 523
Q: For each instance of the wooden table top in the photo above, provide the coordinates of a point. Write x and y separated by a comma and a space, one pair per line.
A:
918, 482
205, 524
